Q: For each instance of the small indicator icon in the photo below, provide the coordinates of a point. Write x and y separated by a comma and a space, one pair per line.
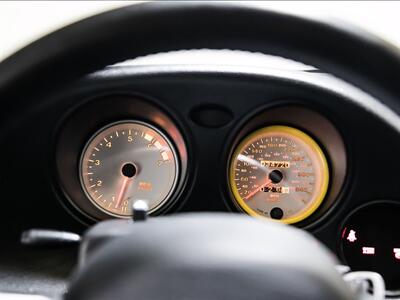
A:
145, 186
396, 252
368, 250
352, 236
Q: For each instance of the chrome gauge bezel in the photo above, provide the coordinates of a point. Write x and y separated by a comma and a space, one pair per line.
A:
146, 124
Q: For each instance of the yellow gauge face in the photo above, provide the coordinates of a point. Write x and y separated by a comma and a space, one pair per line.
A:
279, 172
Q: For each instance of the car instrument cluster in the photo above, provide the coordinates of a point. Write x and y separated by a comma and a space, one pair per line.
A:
287, 164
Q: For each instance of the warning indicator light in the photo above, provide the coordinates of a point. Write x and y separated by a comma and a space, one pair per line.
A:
352, 236
368, 250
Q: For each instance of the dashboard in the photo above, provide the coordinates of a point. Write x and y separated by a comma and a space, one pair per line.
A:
295, 146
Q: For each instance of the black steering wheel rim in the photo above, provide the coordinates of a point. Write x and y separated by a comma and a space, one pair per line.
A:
141, 29
129, 32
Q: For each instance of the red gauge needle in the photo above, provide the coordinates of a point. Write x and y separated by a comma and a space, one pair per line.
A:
267, 183
122, 192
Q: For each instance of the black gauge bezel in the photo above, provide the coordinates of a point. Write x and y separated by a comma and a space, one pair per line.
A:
313, 123
172, 148
81, 125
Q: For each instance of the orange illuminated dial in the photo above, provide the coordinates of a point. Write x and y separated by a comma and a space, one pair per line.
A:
279, 172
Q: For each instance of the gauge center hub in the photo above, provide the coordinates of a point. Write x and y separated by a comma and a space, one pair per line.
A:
129, 170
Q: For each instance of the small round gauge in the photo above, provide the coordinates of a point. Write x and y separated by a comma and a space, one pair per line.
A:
127, 161
279, 172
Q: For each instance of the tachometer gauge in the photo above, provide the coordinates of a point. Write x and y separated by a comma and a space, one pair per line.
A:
127, 161
279, 172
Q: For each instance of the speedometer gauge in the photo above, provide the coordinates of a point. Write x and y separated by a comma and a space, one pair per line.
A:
127, 161
279, 172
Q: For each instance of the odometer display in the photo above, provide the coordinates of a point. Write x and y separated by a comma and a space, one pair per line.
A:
279, 172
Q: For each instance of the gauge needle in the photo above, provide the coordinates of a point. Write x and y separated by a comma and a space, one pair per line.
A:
267, 183
122, 192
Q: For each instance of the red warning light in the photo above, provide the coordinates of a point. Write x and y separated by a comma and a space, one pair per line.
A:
352, 236
368, 250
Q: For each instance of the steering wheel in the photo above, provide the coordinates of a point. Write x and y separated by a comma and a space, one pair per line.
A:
89, 45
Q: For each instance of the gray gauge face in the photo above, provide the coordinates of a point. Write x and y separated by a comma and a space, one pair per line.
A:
127, 161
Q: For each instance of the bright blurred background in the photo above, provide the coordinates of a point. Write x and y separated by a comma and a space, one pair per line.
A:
22, 22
